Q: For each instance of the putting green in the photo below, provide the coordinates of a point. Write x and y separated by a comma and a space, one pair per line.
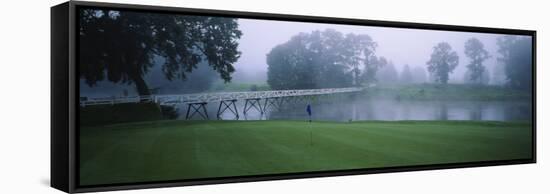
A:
175, 150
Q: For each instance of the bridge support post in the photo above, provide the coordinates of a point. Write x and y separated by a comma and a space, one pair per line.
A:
197, 107
272, 102
254, 102
228, 105
313, 99
295, 99
301, 99
288, 99
280, 102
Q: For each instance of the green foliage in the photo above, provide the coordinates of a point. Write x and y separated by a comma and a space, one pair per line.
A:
199, 80
372, 65
473, 48
360, 50
322, 59
119, 113
169, 112
121, 45
483, 80
254, 87
239, 87
175, 150
516, 54
434, 92
442, 62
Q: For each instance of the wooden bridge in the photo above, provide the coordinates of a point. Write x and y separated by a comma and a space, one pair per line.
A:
197, 102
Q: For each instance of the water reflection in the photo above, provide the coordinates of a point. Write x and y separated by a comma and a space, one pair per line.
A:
345, 109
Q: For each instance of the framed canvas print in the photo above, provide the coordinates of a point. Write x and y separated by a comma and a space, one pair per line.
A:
147, 96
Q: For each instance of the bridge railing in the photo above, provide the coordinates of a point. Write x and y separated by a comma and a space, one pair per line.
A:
114, 100
214, 97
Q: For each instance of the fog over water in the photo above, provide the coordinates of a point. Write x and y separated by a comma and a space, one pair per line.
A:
353, 109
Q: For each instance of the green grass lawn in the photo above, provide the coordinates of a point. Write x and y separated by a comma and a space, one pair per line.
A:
173, 150
119, 113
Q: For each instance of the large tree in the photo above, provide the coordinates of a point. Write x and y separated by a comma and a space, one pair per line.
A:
406, 75
387, 74
371, 66
442, 62
320, 59
483, 80
290, 65
473, 48
328, 59
121, 45
360, 51
516, 55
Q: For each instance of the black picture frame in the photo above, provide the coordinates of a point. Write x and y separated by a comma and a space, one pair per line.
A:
64, 98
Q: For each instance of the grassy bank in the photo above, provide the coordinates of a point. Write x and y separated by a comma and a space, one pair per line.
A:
448, 92
169, 150
239, 87
119, 113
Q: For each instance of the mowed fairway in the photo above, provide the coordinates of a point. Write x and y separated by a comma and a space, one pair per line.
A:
174, 150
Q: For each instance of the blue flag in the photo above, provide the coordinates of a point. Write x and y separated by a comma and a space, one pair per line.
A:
308, 109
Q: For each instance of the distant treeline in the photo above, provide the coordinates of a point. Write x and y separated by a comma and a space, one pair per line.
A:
324, 59
447, 92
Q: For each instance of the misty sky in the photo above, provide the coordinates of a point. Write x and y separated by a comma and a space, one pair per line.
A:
402, 46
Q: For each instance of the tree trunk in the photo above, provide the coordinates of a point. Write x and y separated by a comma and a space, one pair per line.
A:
141, 86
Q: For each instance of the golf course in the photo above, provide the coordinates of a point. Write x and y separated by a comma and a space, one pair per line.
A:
180, 149
179, 97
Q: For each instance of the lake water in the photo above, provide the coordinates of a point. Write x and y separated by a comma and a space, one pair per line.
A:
345, 109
